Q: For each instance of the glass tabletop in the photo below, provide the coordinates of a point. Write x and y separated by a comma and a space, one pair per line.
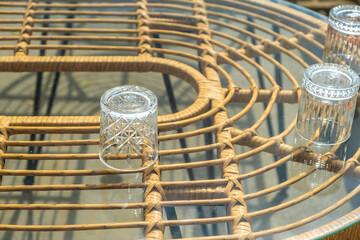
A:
227, 75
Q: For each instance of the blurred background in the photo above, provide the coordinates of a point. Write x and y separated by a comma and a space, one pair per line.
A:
323, 6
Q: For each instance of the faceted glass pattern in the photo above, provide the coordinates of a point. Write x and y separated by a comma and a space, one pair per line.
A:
128, 129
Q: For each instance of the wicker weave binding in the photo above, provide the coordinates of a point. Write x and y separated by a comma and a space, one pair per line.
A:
140, 52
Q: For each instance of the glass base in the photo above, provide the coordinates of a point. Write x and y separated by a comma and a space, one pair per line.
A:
313, 161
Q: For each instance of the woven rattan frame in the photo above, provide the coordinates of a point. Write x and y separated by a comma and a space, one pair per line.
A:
211, 95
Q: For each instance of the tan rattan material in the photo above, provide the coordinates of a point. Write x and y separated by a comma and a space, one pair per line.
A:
191, 20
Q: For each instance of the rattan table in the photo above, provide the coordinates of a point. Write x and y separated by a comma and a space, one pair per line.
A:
232, 72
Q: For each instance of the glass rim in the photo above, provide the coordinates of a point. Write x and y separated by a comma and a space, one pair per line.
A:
104, 100
343, 25
329, 92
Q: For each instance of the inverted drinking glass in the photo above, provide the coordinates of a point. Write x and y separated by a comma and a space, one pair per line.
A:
343, 36
128, 128
326, 110
323, 124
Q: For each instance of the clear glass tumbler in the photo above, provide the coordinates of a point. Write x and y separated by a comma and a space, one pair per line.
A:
343, 36
323, 124
128, 128
326, 108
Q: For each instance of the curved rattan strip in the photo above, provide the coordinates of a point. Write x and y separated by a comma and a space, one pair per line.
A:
249, 50
79, 227
284, 96
179, 185
13, 130
84, 47
265, 168
267, 110
234, 5
283, 150
77, 187
172, 7
72, 206
311, 218
54, 173
221, 125
254, 98
302, 197
13, 4
213, 162
250, 34
120, 63
318, 24
259, 27
259, 146
207, 202
307, 36
84, 13
163, 25
273, 45
84, 38
9, 21
181, 115
219, 237
248, 60
10, 29
44, 156
83, 30
280, 186
11, 12
161, 152
258, 123
98, 226
257, 150
84, 20
225, 145
333, 227
8, 38
84, 5
224, 73
51, 121
80, 142
182, 2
